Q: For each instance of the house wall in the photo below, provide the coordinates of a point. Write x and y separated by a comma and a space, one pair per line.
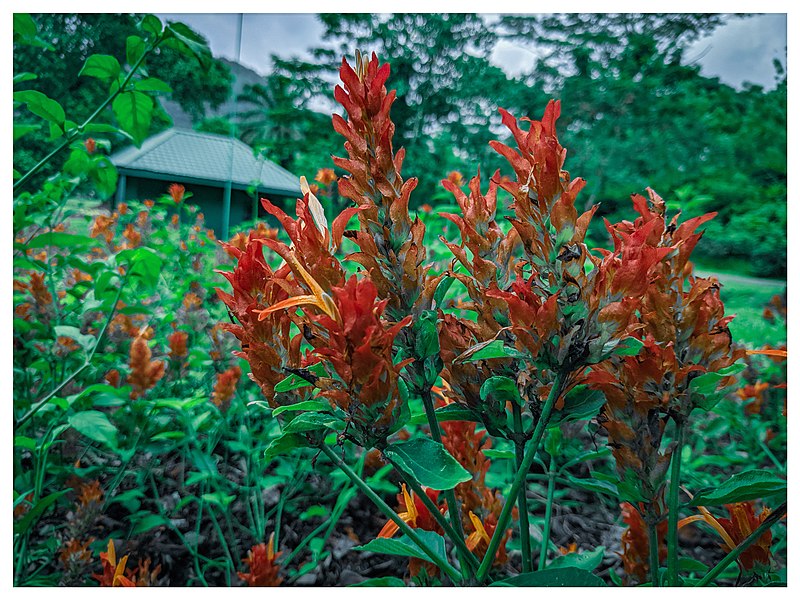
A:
209, 199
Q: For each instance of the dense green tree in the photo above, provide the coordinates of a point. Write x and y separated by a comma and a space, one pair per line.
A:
74, 37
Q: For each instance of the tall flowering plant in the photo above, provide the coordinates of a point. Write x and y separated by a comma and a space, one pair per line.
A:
345, 359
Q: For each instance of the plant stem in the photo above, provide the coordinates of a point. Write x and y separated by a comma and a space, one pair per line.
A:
35, 408
522, 497
652, 537
548, 512
672, 504
454, 513
530, 453
434, 510
76, 132
386, 510
773, 518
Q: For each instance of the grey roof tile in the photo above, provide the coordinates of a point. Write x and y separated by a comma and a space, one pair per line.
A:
206, 156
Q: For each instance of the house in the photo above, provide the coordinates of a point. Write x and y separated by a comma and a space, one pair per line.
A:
224, 176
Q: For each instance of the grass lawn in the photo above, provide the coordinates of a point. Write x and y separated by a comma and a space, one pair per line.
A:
746, 297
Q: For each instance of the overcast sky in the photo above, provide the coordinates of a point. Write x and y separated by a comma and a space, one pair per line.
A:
740, 51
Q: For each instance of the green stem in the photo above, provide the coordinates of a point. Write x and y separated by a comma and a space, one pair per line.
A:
548, 512
434, 510
35, 408
522, 497
77, 131
672, 504
454, 512
652, 536
530, 453
386, 510
221, 536
773, 518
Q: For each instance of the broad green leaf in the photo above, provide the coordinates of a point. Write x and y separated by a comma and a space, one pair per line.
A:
489, 350
42, 106
629, 346
594, 485
20, 77
294, 381
60, 239
502, 389
36, 511
429, 462
181, 37
426, 342
307, 405
134, 111
104, 177
451, 412
403, 546
704, 388
147, 522
22, 129
134, 48
151, 24
588, 561
580, 403
750, 485
218, 498
152, 84
565, 577
494, 453
143, 263
380, 582
96, 426
313, 422
24, 26
101, 66
284, 444
442, 289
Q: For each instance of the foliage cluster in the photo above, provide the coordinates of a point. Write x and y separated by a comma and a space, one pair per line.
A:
506, 361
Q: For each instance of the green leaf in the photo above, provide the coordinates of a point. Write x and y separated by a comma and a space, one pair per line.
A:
24, 26
426, 342
143, 263
42, 106
502, 389
629, 346
101, 66
580, 403
188, 42
59, 239
21, 441
442, 289
134, 48
20, 77
451, 412
32, 516
152, 84
294, 381
151, 24
134, 111
380, 582
147, 522
749, 485
104, 177
218, 498
429, 462
488, 350
22, 129
284, 444
594, 485
307, 405
403, 546
566, 577
313, 422
494, 453
704, 388
587, 561
96, 426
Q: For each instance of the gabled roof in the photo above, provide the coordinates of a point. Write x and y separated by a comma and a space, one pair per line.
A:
204, 158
